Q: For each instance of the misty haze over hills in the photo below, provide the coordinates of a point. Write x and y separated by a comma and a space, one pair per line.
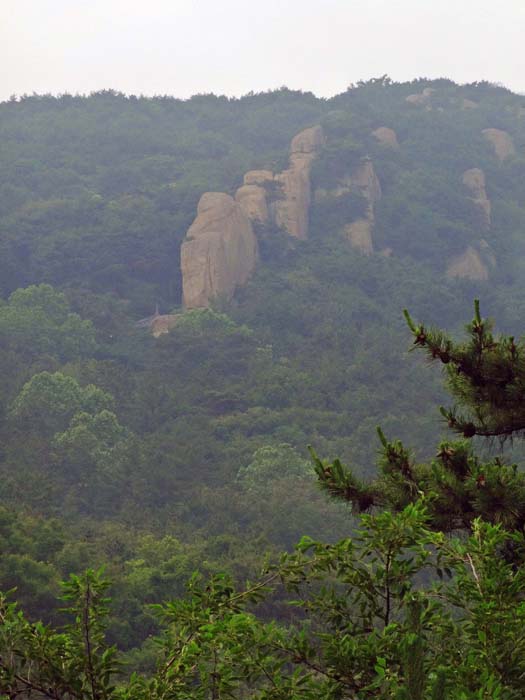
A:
193, 291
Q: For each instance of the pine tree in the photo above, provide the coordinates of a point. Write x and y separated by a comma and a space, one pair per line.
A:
486, 376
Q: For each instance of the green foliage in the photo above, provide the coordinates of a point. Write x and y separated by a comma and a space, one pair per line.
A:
48, 402
38, 320
76, 663
370, 629
486, 375
160, 456
270, 463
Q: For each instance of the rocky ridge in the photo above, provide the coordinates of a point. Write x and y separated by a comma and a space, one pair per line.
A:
219, 252
386, 137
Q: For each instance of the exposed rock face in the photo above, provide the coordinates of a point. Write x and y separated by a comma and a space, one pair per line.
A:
386, 137
258, 177
422, 98
359, 233
417, 99
219, 252
474, 180
252, 200
468, 265
308, 141
501, 142
365, 179
468, 104
291, 212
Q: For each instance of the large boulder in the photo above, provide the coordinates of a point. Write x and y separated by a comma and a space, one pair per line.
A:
501, 142
474, 181
417, 99
421, 99
219, 252
291, 212
386, 137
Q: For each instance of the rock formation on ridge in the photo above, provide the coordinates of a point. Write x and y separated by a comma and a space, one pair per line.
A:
291, 212
252, 195
257, 177
386, 137
501, 142
252, 200
219, 252
421, 99
474, 181
359, 232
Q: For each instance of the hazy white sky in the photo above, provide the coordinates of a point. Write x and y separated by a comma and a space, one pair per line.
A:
183, 47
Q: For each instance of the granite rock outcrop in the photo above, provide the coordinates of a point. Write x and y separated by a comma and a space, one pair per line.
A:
252, 200
474, 181
421, 99
291, 212
365, 181
501, 142
219, 252
386, 137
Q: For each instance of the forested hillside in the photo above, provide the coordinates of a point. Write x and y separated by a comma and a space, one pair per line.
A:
159, 455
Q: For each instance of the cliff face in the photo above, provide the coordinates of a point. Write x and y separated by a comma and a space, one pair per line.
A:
219, 252
291, 212
252, 200
474, 181
501, 142
386, 137
359, 232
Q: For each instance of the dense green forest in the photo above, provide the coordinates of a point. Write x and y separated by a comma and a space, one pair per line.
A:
158, 456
